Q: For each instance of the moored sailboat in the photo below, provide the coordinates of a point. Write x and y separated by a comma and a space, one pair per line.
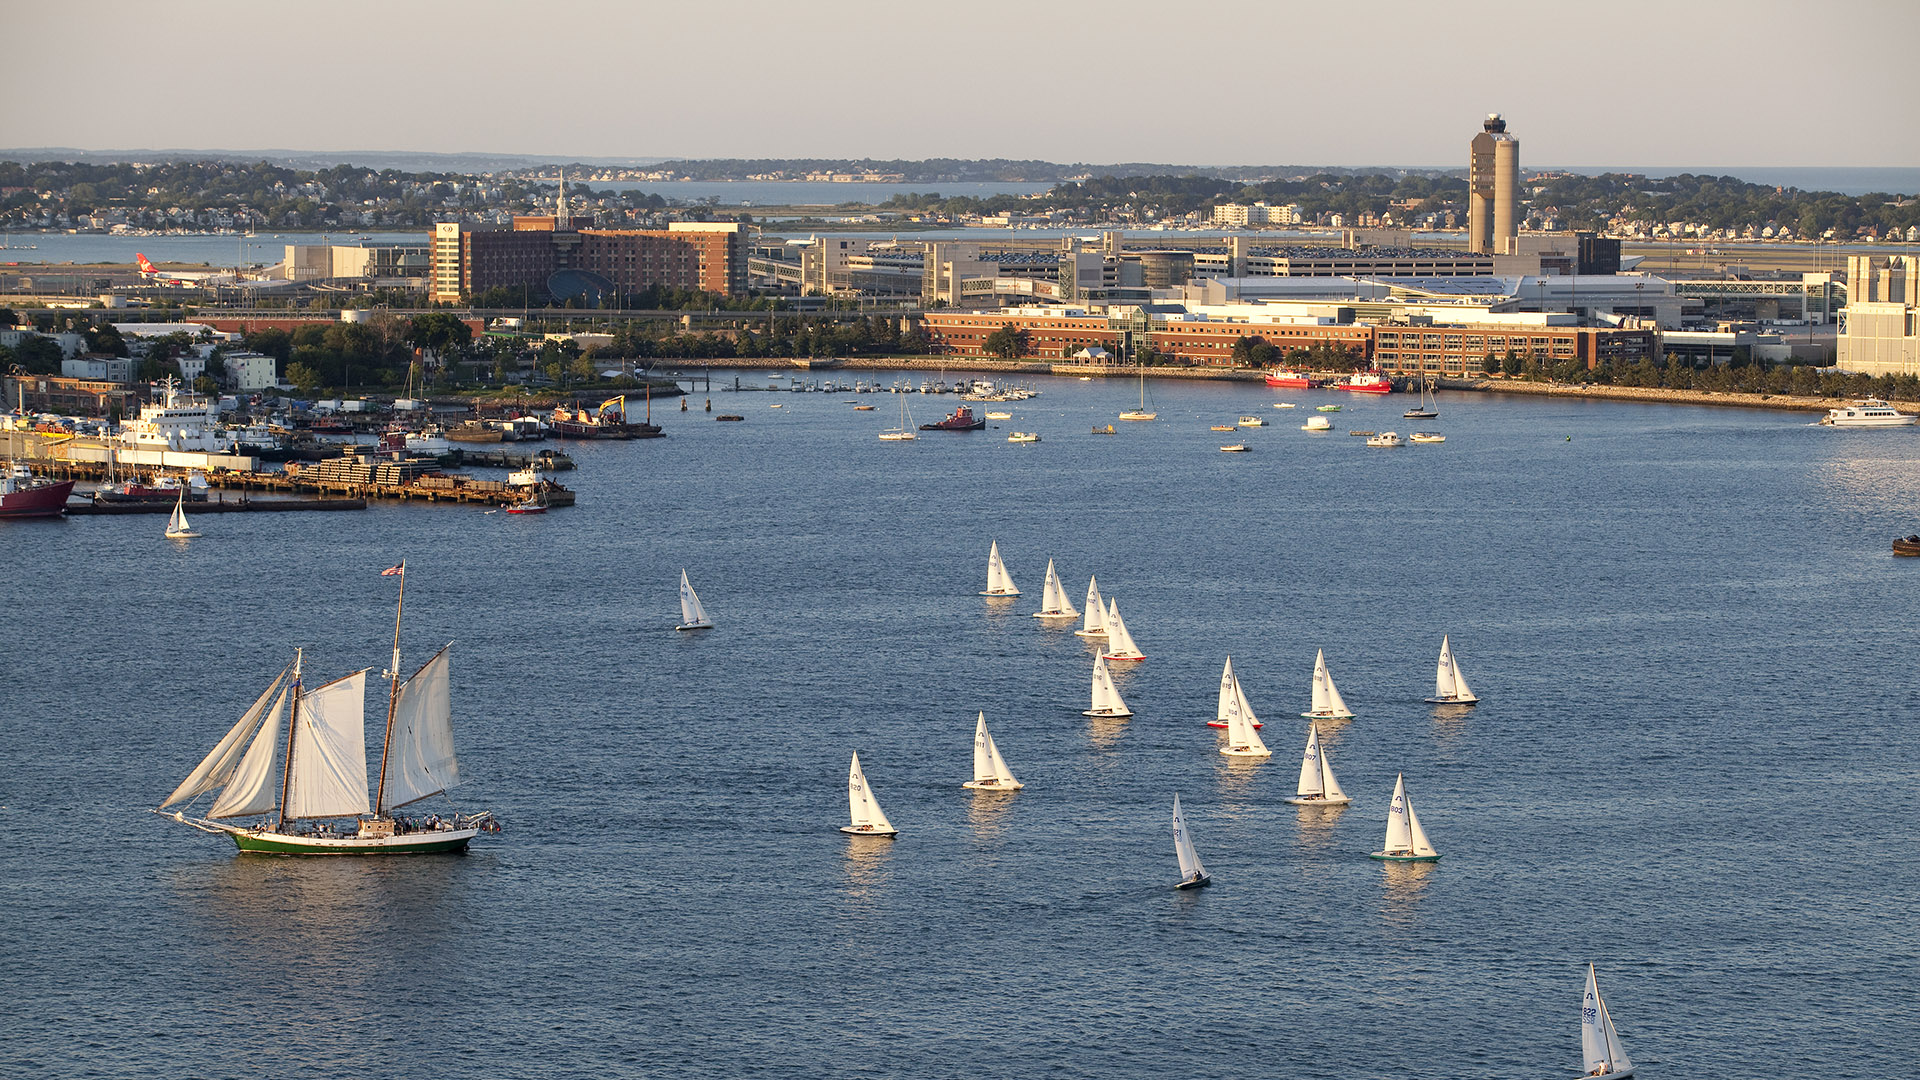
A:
1106, 699
1096, 619
1406, 840
693, 615
1053, 599
1142, 413
999, 582
1317, 786
1242, 740
1192, 874
868, 818
1327, 702
1120, 644
990, 772
1450, 687
1599, 1042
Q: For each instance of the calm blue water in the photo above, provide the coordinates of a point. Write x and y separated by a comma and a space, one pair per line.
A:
1693, 764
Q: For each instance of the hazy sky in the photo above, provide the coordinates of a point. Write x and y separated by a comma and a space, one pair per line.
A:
1602, 82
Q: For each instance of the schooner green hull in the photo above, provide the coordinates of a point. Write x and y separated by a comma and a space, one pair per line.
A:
434, 843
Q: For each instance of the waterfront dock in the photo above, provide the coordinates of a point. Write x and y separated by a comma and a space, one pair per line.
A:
217, 506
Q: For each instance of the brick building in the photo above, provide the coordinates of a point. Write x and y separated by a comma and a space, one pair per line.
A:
686, 255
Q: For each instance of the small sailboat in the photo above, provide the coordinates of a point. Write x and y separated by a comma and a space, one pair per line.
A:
177, 527
1317, 785
1142, 413
1106, 699
868, 818
1449, 686
1599, 1042
1406, 840
1242, 739
1424, 410
1327, 702
1192, 874
905, 432
990, 772
1053, 599
999, 583
1120, 644
693, 616
1096, 621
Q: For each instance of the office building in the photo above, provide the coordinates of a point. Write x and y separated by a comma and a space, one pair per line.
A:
1493, 189
469, 260
1880, 326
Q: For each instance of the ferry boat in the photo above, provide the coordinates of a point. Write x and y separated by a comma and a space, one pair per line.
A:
1365, 382
1291, 380
1871, 412
24, 495
960, 419
178, 421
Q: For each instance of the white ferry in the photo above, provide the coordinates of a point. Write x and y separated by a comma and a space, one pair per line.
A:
1869, 413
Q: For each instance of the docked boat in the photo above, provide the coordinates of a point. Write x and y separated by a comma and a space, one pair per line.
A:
1317, 786
1406, 841
177, 527
534, 503
1449, 686
1600, 1046
1024, 436
1053, 599
1230, 693
24, 495
990, 772
1096, 621
999, 582
1428, 409
1387, 438
1106, 699
1242, 739
179, 421
1327, 702
475, 431
1234, 448
1286, 378
693, 615
1871, 412
1365, 382
863, 808
960, 419
1120, 644
1428, 437
1192, 874
608, 421
323, 771
1317, 423
1252, 421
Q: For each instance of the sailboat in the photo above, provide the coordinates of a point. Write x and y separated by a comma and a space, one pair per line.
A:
1599, 1042
905, 431
990, 772
999, 583
1317, 785
1406, 840
1449, 686
1192, 874
177, 527
1141, 413
1096, 621
1242, 740
323, 773
1327, 702
1106, 699
1120, 644
868, 818
1053, 599
1424, 411
693, 616
1230, 694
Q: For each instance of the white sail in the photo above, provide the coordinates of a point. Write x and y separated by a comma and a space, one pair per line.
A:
692, 615
250, 791
421, 761
1053, 599
1227, 697
1398, 837
1330, 787
215, 769
1096, 620
1448, 683
177, 524
1416, 836
330, 751
1327, 701
1599, 1042
1246, 707
1311, 781
1183, 845
1120, 644
989, 768
999, 583
861, 805
1242, 740
1106, 699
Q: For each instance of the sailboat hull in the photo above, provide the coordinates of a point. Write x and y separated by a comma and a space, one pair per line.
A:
1056, 615
1101, 634
992, 785
1010, 592
1384, 856
426, 843
1627, 1075
1316, 800
1241, 751
1453, 701
1327, 715
1106, 712
1257, 724
863, 830
695, 626
1200, 882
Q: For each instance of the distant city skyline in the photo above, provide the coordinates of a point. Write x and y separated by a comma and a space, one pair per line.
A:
1632, 85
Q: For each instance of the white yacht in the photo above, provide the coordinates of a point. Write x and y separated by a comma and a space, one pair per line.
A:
1387, 438
1869, 413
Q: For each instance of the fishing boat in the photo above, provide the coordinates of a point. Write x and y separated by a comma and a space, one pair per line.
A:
1365, 382
536, 503
1142, 413
960, 419
1252, 421
1024, 436
1229, 693
1599, 1043
1428, 409
24, 495
990, 772
1242, 739
177, 527
1234, 448
1387, 438
693, 614
868, 818
998, 581
1192, 874
1327, 702
1406, 840
1106, 699
1317, 786
1108, 430
1120, 644
1449, 686
1317, 423
1096, 620
323, 774
1053, 599
1428, 437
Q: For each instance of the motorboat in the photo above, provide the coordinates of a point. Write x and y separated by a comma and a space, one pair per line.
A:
1252, 421
999, 416
1327, 408
1365, 382
1387, 438
1871, 412
1234, 448
1317, 423
1428, 436
1024, 436
1223, 427
1291, 380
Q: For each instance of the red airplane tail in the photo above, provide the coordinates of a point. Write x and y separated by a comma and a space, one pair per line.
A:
146, 265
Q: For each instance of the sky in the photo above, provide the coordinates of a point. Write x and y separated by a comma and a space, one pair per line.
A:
1620, 83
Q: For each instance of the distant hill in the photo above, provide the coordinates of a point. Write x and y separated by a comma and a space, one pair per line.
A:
315, 160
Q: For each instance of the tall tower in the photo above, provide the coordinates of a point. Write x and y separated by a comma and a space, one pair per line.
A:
1493, 188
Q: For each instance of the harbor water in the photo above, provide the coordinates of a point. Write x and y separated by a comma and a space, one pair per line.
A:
1692, 765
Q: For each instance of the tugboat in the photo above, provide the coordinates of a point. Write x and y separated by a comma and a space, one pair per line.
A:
1289, 379
1365, 382
22, 495
960, 419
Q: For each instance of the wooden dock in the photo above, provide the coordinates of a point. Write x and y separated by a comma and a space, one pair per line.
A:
431, 488
217, 506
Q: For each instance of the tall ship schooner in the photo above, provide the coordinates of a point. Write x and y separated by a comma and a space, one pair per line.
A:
323, 771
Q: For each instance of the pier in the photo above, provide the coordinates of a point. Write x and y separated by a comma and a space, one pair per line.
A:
217, 506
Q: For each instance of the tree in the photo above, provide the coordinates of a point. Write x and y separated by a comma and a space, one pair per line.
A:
440, 332
304, 379
1490, 364
582, 369
38, 355
1008, 342
1511, 365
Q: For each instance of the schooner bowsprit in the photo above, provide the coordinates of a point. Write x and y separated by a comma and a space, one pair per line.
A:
323, 772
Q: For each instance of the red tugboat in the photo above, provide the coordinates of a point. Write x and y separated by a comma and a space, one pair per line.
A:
23, 496
1289, 380
960, 419
1366, 382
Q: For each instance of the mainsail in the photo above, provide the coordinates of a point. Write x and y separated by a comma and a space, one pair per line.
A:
1106, 699
1599, 1042
251, 789
998, 581
421, 761
330, 752
692, 615
218, 766
1096, 622
1183, 845
1053, 599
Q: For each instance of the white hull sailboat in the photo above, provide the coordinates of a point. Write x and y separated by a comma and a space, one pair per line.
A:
1053, 599
1599, 1043
990, 772
1096, 620
1406, 840
1120, 644
1317, 785
1327, 702
868, 818
693, 616
1192, 874
323, 775
999, 582
1142, 413
1242, 739
177, 527
903, 433
1106, 699
1230, 692
1450, 687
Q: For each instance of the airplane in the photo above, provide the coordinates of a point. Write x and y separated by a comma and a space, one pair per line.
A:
156, 276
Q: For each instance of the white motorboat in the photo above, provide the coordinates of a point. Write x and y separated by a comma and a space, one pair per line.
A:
1871, 412
1023, 436
1387, 438
1428, 437
1317, 423
1252, 421
1234, 448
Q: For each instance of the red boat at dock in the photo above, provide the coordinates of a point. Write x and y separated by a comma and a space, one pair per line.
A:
23, 495
1366, 382
1289, 380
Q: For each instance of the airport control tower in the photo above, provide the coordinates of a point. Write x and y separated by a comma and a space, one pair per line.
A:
1493, 185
